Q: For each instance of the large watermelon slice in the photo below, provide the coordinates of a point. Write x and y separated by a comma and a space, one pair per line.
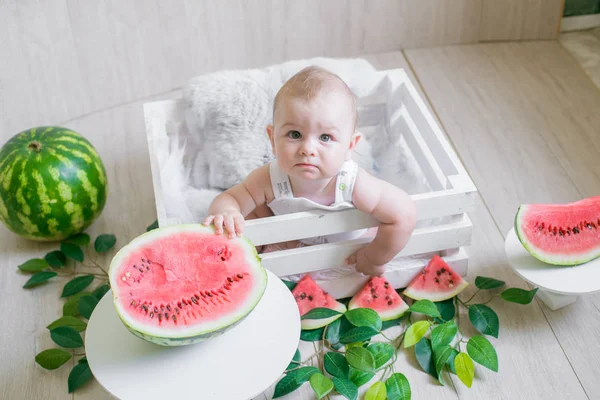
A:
183, 284
52, 183
379, 295
437, 282
309, 295
561, 234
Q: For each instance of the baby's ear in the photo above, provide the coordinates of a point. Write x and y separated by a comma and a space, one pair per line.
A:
355, 139
271, 139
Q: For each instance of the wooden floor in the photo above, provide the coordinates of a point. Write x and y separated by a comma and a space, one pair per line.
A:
524, 119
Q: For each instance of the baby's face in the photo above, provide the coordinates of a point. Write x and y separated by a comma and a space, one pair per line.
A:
311, 140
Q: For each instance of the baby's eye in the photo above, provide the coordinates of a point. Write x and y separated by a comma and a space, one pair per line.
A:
294, 134
325, 137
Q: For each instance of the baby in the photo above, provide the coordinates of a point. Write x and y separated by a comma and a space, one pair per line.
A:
312, 136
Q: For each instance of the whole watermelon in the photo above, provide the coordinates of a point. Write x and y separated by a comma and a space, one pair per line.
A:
52, 183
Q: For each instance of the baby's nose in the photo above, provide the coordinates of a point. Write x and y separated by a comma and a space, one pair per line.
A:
307, 148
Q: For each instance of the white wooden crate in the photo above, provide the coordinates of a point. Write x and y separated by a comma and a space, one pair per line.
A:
394, 109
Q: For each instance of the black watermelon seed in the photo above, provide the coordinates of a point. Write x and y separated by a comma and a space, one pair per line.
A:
240, 276
389, 303
310, 298
194, 300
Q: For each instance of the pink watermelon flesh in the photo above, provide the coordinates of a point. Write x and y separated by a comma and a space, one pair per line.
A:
309, 295
186, 284
379, 295
561, 234
437, 282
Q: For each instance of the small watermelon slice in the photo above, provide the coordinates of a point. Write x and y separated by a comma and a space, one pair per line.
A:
309, 295
379, 295
437, 282
561, 234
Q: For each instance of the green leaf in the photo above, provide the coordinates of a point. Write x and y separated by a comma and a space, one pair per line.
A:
66, 336
424, 355
69, 321
358, 334
320, 313
482, 352
484, 283
76, 285
52, 358
71, 306
440, 357
336, 364
34, 265
104, 243
361, 359
56, 259
520, 296
303, 374
72, 251
345, 387
293, 380
450, 361
295, 360
364, 317
39, 278
442, 335
382, 353
415, 332
333, 331
359, 378
87, 305
80, 374
286, 385
397, 387
152, 226
82, 360
100, 291
290, 285
312, 335
425, 307
390, 323
465, 370
447, 310
377, 391
82, 239
484, 319
321, 385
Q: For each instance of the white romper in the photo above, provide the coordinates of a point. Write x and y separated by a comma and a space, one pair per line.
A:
284, 201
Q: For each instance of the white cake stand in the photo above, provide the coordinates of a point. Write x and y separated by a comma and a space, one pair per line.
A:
239, 364
558, 286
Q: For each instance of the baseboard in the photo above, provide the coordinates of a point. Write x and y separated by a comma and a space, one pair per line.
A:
579, 22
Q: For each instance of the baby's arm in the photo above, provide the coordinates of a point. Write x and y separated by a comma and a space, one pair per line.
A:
229, 208
397, 215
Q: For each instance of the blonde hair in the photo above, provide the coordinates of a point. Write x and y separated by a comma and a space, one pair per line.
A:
308, 83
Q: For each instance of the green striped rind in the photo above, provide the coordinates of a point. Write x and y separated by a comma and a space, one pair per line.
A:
54, 193
166, 337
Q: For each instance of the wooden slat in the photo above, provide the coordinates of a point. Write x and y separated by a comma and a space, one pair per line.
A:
317, 223
319, 257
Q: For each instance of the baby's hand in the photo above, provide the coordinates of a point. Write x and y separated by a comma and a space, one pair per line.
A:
232, 220
364, 265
